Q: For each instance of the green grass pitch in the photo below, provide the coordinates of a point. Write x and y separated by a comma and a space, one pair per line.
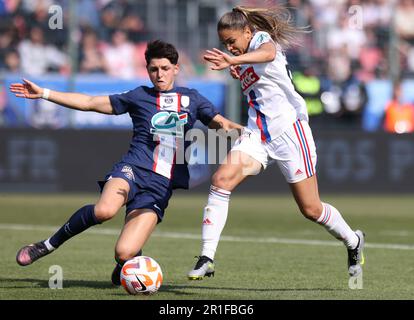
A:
268, 251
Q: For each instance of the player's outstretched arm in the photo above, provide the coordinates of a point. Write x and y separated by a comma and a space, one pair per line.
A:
78, 101
221, 60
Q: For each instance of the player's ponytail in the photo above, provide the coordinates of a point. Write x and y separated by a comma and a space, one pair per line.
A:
276, 21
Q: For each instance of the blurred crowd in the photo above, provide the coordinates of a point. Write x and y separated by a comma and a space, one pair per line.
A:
353, 36
349, 44
112, 36
348, 36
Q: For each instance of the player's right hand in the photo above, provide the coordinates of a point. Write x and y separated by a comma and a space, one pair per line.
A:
235, 72
27, 89
219, 59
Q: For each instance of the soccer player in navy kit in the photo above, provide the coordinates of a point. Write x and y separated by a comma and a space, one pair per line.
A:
145, 177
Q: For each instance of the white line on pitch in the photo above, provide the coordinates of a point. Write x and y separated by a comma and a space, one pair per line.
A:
192, 236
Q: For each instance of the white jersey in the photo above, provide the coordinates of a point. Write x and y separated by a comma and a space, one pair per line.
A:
274, 103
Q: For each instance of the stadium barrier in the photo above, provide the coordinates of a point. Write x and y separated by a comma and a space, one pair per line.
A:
73, 160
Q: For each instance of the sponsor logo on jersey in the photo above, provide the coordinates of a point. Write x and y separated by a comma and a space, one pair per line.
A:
169, 123
248, 78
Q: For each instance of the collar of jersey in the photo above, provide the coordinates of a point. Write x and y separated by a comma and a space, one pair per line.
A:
174, 89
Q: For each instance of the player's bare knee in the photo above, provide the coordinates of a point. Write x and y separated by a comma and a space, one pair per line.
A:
124, 254
311, 212
222, 181
104, 212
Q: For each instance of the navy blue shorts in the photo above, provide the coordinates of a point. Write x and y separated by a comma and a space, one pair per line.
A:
148, 190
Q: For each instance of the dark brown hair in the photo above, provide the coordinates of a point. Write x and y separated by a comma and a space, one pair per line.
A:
275, 20
159, 49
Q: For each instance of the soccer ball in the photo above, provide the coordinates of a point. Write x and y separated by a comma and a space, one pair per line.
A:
141, 275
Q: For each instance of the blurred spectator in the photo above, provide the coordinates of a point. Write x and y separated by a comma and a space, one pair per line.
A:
410, 61
7, 42
8, 117
39, 17
308, 85
384, 13
353, 98
345, 36
12, 62
122, 14
339, 65
31, 6
87, 13
399, 116
404, 20
109, 23
134, 27
119, 56
326, 13
8, 6
370, 58
37, 57
404, 26
139, 58
90, 56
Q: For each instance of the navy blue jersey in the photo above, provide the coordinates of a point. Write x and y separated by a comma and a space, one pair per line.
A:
160, 121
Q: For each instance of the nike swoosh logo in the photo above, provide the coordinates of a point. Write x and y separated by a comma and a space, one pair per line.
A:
143, 286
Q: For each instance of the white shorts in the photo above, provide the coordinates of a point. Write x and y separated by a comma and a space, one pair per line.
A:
294, 150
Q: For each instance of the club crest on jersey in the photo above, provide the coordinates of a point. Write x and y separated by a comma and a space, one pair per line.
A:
168, 100
248, 78
169, 123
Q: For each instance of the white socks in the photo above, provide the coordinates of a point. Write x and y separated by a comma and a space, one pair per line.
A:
332, 220
216, 211
214, 219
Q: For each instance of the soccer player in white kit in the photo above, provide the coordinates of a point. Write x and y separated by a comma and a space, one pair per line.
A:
277, 130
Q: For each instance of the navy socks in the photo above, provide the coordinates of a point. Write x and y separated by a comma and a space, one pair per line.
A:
79, 222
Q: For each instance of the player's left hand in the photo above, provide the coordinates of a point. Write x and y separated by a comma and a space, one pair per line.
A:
220, 59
